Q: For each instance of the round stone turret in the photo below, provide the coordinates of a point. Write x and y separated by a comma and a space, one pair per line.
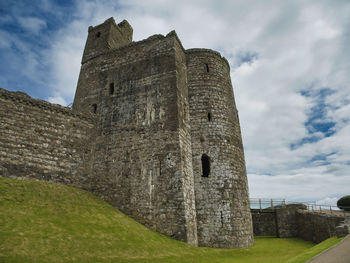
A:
221, 189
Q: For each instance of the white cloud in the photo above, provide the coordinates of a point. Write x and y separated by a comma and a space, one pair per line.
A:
57, 100
18, 57
32, 24
64, 58
311, 184
328, 201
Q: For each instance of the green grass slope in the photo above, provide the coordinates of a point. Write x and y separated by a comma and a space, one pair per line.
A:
315, 250
45, 222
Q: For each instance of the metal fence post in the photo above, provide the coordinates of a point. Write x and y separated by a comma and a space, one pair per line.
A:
260, 204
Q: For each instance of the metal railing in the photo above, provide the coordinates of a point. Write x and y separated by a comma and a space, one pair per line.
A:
272, 204
313, 207
258, 203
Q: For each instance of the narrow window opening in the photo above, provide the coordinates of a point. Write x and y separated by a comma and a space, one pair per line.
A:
94, 108
98, 34
111, 88
207, 67
160, 168
222, 219
205, 165
209, 116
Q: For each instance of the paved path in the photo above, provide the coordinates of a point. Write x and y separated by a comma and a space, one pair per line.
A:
340, 253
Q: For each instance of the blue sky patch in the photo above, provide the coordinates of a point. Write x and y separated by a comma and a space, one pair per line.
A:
26, 31
242, 57
247, 57
321, 159
318, 122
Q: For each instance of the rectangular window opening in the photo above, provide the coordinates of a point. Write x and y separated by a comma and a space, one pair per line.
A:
111, 88
205, 165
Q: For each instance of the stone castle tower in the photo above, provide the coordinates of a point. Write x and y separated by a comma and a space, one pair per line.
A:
154, 131
168, 149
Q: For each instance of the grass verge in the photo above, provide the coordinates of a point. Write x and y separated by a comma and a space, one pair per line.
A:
45, 222
315, 250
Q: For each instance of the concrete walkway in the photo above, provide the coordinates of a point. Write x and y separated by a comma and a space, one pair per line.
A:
340, 253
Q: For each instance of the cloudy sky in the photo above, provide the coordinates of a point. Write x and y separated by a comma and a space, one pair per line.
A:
290, 68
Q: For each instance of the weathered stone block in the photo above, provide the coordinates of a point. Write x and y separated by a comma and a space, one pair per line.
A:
342, 230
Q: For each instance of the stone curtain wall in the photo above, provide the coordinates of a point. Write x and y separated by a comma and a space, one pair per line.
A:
222, 204
287, 225
294, 221
264, 223
43, 141
317, 227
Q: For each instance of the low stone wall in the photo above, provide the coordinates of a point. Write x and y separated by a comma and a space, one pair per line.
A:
279, 221
264, 223
43, 141
287, 220
295, 221
316, 227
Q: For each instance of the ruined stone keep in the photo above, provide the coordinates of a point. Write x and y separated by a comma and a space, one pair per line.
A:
153, 130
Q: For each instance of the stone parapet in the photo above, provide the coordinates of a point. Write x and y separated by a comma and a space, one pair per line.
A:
44, 141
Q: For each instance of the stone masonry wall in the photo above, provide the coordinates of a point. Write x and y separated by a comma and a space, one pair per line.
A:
43, 141
264, 223
106, 36
185, 140
142, 159
222, 200
295, 221
317, 227
287, 220
279, 221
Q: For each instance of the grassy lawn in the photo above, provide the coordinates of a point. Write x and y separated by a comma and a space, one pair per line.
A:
315, 250
44, 222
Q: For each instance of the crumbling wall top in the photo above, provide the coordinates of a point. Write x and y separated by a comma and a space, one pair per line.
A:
26, 99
